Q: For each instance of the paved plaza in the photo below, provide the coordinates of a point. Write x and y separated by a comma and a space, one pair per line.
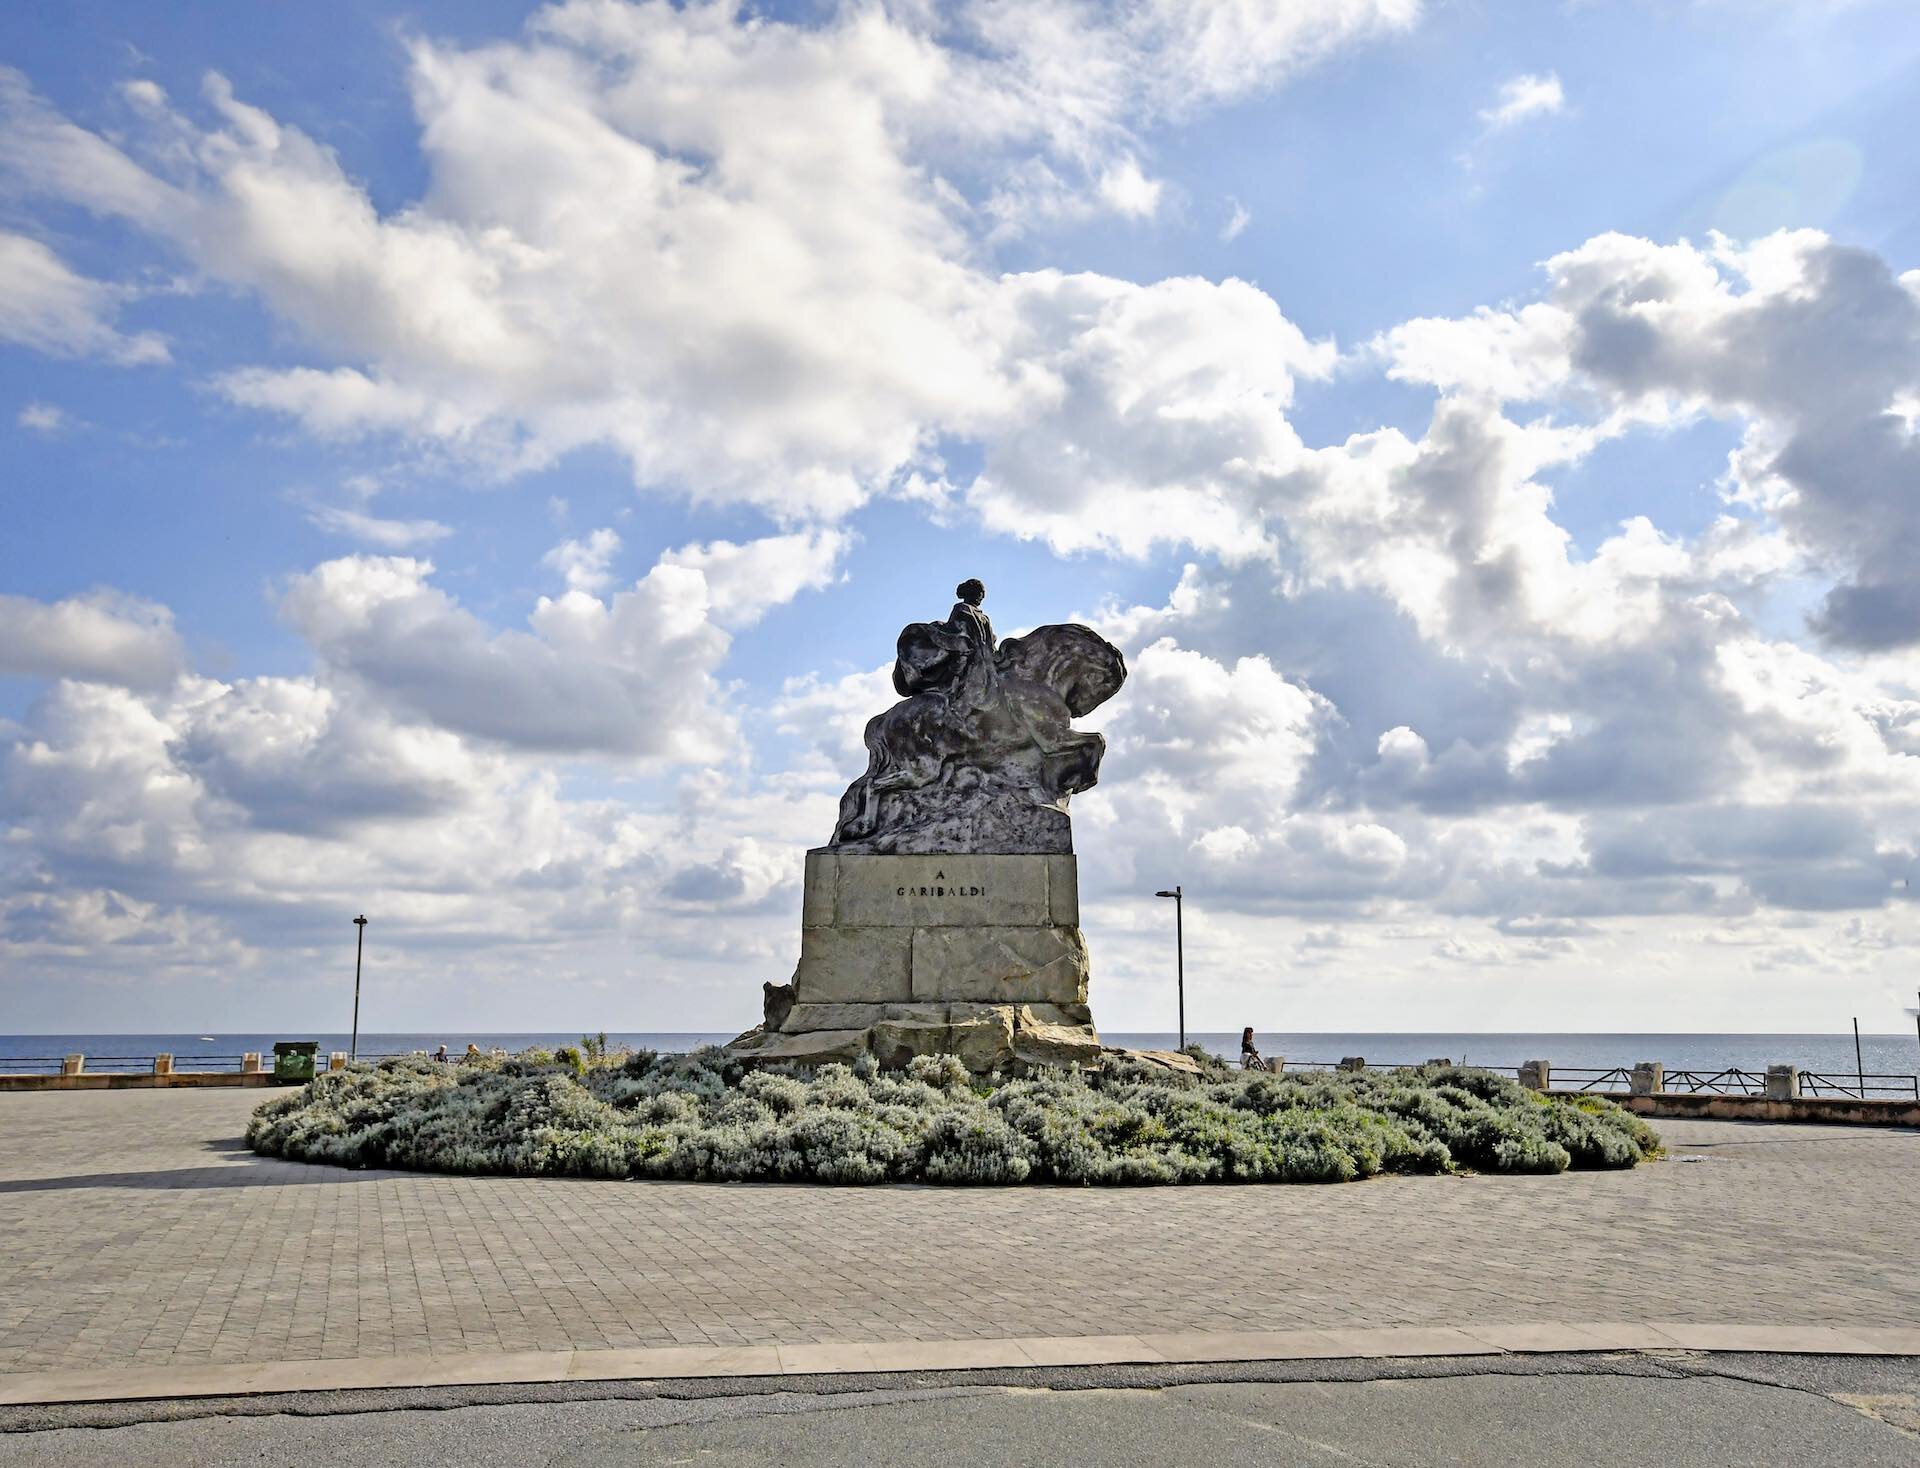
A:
137, 1231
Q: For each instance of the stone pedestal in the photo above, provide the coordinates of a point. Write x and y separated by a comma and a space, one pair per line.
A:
1536, 1075
979, 956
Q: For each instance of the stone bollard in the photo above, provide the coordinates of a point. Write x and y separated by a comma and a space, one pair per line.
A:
1352, 1062
337, 1060
250, 1064
73, 1065
1649, 1078
1536, 1075
1783, 1083
163, 1065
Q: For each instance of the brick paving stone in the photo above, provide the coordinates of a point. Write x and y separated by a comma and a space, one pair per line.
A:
135, 1231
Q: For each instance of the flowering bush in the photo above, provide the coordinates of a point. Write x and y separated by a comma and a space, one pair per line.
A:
703, 1116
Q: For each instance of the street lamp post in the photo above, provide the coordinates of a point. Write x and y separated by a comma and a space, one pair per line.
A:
1179, 955
359, 943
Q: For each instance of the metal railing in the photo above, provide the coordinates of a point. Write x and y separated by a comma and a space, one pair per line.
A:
28, 1065
52, 1065
17, 1065
1730, 1082
31, 1065
1861, 1086
1578, 1078
1733, 1081
1385, 1066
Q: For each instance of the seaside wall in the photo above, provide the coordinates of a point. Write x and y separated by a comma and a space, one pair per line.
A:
1842, 1109
136, 1080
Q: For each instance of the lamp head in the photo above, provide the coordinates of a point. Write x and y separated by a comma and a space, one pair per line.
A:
1166, 894
360, 922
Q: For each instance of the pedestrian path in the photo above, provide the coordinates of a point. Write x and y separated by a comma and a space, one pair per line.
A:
137, 1235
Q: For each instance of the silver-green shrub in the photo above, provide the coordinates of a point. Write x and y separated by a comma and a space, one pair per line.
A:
701, 1116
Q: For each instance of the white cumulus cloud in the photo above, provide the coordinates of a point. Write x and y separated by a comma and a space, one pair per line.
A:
1238, 218
1524, 96
43, 417
628, 676
811, 208
585, 564
53, 309
103, 637
387, 533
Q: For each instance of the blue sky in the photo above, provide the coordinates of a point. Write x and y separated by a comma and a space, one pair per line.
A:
470, 463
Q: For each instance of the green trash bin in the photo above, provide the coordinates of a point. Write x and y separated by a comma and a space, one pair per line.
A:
293, 1061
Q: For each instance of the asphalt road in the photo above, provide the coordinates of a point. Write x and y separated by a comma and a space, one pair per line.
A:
1540, 1411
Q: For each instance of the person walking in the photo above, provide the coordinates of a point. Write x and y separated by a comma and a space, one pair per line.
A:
441, 1054
1249, 1053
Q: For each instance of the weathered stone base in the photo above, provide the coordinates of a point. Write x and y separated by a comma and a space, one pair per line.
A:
1010, 1039
1014, 1038
921, 929
979, 956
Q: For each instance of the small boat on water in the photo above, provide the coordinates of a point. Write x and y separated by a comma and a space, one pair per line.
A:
209, 1037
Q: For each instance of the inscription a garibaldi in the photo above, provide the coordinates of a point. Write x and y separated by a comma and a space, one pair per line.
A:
980, 755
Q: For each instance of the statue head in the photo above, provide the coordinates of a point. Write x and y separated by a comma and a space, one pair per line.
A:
1074, 661
971, 591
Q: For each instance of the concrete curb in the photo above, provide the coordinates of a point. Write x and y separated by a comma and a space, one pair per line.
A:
122, 1384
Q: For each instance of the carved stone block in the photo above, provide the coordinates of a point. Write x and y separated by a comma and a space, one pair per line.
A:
939, 891
983, 1040
864, 965
816, 892
815, 1047
1044, 1045
1000, 965
1063, 891
1029, 1015
843, 1016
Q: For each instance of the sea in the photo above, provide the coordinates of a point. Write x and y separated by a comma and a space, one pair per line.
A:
1824, 1053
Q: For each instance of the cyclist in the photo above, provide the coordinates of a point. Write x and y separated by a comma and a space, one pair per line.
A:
1249, 1053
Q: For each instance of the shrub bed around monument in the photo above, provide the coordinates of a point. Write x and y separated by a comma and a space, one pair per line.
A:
701, 1117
